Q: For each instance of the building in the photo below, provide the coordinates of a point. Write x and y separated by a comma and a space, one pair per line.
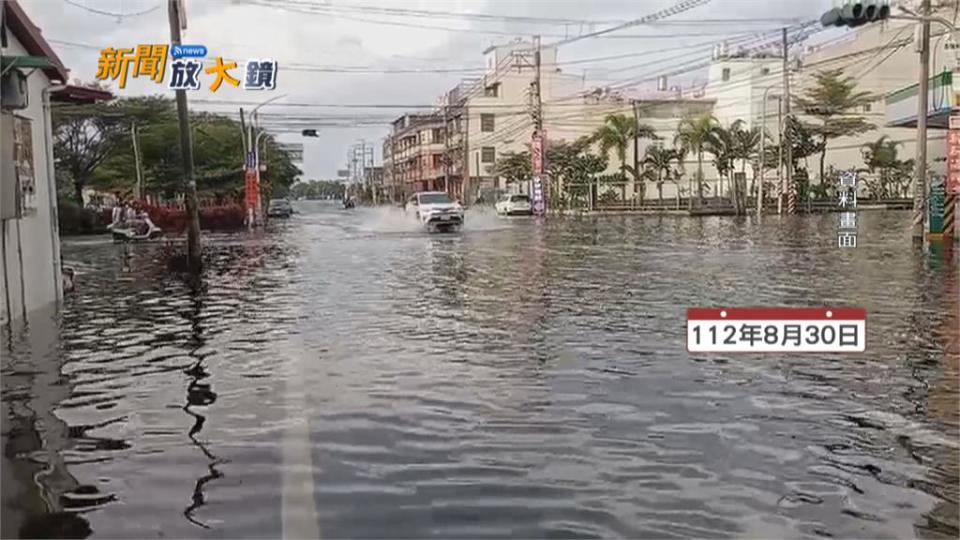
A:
33, 77
454, 148
883, 59
413, 156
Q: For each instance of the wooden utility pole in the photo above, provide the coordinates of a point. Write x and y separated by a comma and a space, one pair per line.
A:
194, 261
920, 176
789, 189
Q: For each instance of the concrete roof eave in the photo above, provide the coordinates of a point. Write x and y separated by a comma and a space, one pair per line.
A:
17, 21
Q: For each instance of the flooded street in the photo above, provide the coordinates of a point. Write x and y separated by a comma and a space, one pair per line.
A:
344, 374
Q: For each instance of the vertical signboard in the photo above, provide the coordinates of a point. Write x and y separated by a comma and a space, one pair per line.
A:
536, 153
953, 156
937, 199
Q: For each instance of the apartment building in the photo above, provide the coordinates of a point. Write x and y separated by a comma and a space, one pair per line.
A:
413, 156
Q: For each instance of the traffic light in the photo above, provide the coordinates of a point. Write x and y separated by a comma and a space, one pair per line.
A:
854, 13
309, 133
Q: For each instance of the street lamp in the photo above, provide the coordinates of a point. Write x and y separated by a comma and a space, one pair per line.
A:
254, 149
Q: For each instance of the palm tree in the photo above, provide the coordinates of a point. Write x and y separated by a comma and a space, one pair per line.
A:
617, 132
659, 160
747, 146
723, 146
692, 136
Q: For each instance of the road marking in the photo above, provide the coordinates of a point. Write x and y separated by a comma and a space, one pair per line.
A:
298, 507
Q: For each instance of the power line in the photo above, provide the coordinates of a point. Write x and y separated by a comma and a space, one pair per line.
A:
120, 16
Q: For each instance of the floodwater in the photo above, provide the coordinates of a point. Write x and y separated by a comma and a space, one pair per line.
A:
344, 374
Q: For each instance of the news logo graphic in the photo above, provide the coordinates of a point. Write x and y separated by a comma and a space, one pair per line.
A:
790, 330
186, 67
847, 191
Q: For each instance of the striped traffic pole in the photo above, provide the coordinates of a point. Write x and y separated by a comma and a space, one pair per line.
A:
918, 220
950, 217
792, 200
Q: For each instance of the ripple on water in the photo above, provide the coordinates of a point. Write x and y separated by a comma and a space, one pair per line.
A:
518, 379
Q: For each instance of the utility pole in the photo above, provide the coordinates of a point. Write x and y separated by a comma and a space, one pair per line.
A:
789, 189
780, 126
920, 181
136, 160
636, 147
539, 187
465, 177
194, 261
446, 152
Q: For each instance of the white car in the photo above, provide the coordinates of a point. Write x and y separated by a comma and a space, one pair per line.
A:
514, 205
435, 211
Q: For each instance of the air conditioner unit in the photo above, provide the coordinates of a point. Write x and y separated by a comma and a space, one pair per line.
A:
13, 90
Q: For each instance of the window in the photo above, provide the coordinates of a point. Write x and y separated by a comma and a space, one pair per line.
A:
437, 160
486, 122
435, 198
726, 74
765, 71
488, 154
867, 107
492, 91
437, 135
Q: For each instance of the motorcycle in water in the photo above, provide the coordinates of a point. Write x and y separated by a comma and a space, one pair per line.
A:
134, 230
348, 203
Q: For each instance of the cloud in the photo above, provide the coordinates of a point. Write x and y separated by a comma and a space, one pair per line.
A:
244, 29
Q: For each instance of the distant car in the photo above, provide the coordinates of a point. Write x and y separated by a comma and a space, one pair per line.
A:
279, 208
436, 211
514, 205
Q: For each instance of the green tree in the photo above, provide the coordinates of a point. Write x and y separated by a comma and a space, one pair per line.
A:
217, 146
661, 161
889, 175
515, 167
831, 102
573, 168
617, 133
318, 189
693, 135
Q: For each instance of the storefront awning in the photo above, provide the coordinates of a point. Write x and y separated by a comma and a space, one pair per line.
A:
901, 106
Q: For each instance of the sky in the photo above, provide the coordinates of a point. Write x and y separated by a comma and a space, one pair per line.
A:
338, 52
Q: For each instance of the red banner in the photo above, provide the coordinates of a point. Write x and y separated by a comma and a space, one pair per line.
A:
536, 151
953, 157
251, 189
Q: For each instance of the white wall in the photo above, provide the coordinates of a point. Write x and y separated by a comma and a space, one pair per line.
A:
34, 237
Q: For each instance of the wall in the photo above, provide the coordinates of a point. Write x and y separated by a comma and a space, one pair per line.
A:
34, 237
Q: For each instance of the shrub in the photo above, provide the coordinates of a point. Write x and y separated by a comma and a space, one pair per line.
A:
74, 219
212, 218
